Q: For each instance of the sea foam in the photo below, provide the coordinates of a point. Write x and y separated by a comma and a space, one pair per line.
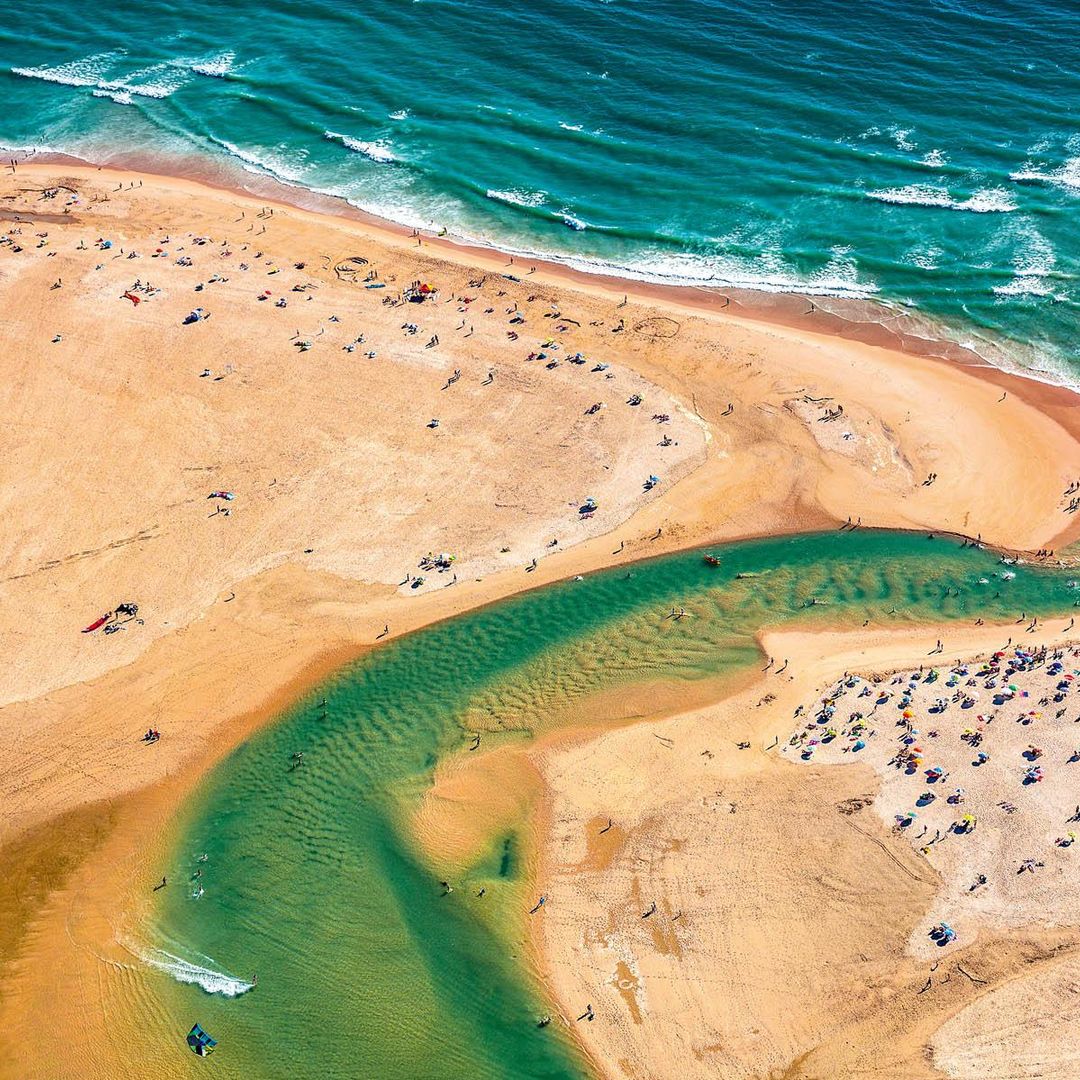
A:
161, 80
1068, 176
518, 197
206, 978
984, 201
216, 67
85, 72
376, 151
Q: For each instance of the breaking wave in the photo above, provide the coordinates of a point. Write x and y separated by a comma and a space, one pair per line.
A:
376, 151
206, 978
517, 198
985, 201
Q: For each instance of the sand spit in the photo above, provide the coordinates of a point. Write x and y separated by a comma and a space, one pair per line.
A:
729, 912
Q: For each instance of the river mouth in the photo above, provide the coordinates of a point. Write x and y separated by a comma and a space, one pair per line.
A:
310, 872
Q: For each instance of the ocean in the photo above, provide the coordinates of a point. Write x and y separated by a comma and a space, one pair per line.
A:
315, 878
913, 163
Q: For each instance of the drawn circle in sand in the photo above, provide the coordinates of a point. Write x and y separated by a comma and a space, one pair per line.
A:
659, 326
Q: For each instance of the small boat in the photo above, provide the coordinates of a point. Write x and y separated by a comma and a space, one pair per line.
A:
712, 560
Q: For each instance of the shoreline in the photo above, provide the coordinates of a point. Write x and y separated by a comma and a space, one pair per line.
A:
779, 308
341, 614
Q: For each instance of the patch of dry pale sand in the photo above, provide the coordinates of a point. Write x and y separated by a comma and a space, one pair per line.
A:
785, 910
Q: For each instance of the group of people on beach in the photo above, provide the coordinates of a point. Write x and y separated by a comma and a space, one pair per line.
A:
979, 705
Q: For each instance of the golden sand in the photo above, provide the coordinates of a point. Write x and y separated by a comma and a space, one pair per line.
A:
113, 441
781, 942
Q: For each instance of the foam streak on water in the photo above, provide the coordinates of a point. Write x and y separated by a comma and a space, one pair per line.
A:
185, 971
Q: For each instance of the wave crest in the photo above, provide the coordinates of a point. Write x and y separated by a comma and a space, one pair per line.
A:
1068, 176
984, 201
206, 978
376, 151
517, 197
217, 67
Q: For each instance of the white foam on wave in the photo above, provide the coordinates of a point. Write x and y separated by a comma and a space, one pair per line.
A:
574, 223
901, 136
121, 97
376, 151
926, 258
517, 196
1068, 176
1025, 286
217, 67
571, 127
261, 163
84, 72
184, 971
769, 273
157, 80
933, 159
399, 114
984, 201
1034, 267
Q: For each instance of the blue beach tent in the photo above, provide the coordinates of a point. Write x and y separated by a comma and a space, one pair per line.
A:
200, 1042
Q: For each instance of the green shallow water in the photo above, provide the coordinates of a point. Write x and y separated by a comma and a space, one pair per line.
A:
312, 881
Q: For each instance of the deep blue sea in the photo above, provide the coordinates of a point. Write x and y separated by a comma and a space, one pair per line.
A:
922, 153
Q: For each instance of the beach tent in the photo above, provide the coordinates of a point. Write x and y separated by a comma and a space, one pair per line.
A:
200, 1042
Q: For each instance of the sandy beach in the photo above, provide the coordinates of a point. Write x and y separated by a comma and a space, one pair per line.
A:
782, 891
275, 481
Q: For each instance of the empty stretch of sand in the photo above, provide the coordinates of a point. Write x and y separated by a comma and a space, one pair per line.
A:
230, 414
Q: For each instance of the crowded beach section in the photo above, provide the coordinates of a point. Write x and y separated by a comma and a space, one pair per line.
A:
765, 911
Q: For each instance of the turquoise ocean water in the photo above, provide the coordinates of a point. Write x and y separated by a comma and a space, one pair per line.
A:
313, 878
917, 152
